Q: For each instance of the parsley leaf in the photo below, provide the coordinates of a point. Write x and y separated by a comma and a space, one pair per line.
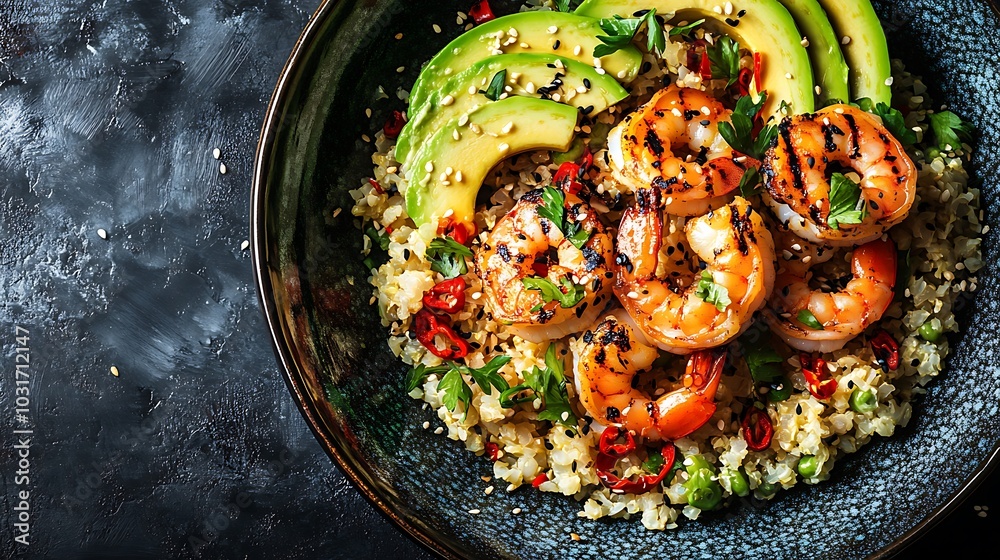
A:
416, 376
949, 129
621, 31
379, 238
448, 256
739, 132
495, 89
725, 57
845, 197
454, 389
892, 119
654, 462
750, 183
552, 386
553, 209
807, 318
487, 375
567, 5
575, 233
711, 292
551, 292
682, 29
762, 361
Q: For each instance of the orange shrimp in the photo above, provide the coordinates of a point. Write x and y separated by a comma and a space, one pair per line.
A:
673, 143
810, 147
840, 315
605, 361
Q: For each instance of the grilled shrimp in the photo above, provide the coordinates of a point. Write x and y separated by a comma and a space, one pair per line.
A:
525, 245
680, 313
810, 147
673, 143
817, 321
607, 359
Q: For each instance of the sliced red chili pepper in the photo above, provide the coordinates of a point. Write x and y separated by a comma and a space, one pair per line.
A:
608, 446
705, 68
394, 125
611, 452
566, 178
541, 269
743, 80
586, 161
481, 12
539, 480
447, 296
757, 429
492, 451
460, 232
886, 350
757, 65
427, 326
378, 188
818, 379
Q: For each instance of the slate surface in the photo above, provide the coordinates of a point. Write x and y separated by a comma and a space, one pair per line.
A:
109, 112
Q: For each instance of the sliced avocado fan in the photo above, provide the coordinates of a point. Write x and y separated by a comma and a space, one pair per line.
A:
568, 35
766, 27
536, 75
857, 25
830, 71
448, 169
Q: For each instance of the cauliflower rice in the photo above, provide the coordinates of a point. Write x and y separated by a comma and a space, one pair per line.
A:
942, 237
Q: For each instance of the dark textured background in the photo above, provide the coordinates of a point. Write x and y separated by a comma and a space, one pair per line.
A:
109, 111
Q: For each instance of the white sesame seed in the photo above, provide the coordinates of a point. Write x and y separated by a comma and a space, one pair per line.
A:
888, 81
503, 147
456, 135
436, 27
401, 69
222, 169
986, 229
804, 42
577, 50
439, 430
245, 245
399, 36
516, 511
429, 166
449, 213
443, 177
839, 111
597, 63
728, 9
458, 176
217, 153
511, 488
717, 9
364, 137
448, 100
474, 511
488, 490
706, 111
463, 120
524, 46
845, 40
788, 75
477, 295
507, 127
427, 425
553, 30
600, 71
818, 90
102, 233
114, 371
633, 295
475, 128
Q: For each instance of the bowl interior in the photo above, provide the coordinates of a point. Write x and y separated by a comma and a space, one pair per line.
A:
349, 385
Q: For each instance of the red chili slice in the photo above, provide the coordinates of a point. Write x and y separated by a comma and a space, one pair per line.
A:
481, 12
427, 326
540, 269
447, 296
818, 379
566, 177
705, 68
378, 188
886, 350
460, 232
743, 80
611, 452
394, 125
586, 161
757, 64
539, 480
757, 429
492, 451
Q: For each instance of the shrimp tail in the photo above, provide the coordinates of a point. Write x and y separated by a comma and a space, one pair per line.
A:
685, 410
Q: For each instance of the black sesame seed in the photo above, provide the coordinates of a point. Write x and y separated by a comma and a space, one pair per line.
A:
732, 22
741, 13
798, 409
555, 46
586, 83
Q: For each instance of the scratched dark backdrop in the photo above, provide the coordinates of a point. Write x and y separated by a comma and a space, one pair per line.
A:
109, 113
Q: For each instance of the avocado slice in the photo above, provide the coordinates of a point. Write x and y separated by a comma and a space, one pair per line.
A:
543, 32
830, 71
766, 27
579, 85
866, 50
486, 136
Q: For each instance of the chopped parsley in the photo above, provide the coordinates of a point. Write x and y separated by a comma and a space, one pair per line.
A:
495, 89
845, 200
379, 239
711, 292
448, 256
725, 58
416, 376
550, 292
684, 29
807, 318
949, 130
621, 31
453, 387
892, 119
567, 5
547, 384
764, 364
739, 132
553, 209
750, 183
654, 462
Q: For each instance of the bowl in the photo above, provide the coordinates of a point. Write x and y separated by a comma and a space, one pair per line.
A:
348, 385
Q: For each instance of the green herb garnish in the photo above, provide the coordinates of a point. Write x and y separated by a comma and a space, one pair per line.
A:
495, 89
448, 256
621, 31
739, 132
654, 462
684, 29
487, 375
379, 239
553, 209
548, 384
725, 58
711, 292
550, 292
807, 318
891, 118
750, 183
454, 389
567, 5
845, 198
416, 376
949, 130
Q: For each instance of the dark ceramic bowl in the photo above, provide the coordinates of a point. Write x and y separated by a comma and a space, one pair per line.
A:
349, 386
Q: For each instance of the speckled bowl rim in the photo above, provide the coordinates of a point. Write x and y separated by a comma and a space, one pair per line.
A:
292, 373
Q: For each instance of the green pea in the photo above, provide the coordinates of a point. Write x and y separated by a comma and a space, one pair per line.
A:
573, 154
697, 463
703, 492
737, 483
929, 332
767, 489
808, 466
780, 390
863, 401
